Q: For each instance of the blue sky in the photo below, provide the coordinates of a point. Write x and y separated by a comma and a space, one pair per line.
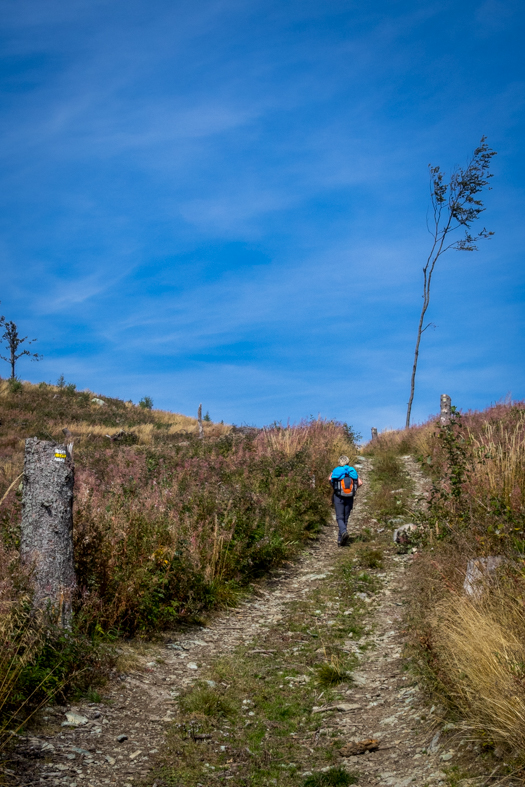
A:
225, 201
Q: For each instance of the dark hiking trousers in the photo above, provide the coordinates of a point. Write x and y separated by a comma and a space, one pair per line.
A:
343, 506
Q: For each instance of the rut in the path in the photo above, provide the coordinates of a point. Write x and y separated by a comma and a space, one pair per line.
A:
141, 701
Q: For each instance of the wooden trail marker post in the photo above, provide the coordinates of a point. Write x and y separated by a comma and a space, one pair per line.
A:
47, 526
446, 404
199, 418
374, 433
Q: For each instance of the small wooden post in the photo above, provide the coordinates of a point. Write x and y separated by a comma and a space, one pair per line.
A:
46, 544
199, 418
445, 408
374, 433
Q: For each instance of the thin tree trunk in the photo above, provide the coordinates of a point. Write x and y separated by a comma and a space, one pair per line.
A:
47, 526
414, 368
428, 270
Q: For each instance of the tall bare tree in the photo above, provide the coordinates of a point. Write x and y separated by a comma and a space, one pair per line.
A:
13, 341
455, 206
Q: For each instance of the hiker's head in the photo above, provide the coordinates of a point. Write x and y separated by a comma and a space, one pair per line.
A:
343, 460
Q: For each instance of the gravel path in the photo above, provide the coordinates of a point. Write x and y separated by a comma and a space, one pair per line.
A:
117, 742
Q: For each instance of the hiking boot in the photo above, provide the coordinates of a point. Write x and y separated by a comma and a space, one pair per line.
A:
344, 539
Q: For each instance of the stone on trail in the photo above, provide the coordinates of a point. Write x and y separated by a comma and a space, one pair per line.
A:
434, 745
395, 781
79, 750
74, 720
298, 678
402, 535
122, 738
354, 748
347, 707
391, 720
342, 707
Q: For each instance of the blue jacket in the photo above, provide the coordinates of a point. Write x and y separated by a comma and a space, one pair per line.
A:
340, 472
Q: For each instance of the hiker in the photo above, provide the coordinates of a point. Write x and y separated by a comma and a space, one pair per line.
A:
345, 483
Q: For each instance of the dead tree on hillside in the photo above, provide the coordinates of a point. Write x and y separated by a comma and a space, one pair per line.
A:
13, 341
455, 206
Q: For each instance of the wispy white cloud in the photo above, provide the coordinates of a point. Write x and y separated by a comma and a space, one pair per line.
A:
67, 296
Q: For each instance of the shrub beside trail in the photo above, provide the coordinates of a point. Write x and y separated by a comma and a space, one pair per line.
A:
470, 646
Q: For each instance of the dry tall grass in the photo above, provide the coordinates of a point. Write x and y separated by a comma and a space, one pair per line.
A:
480, 646
416, 440
292, 439
21, 638
288, 441
20, 641
172, 424
500, 453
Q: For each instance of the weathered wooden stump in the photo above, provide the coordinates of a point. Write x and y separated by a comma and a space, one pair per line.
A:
199, 419
374, 433
446, 404
47, 526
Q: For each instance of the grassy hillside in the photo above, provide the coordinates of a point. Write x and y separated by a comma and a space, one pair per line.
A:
166, 525
43, 411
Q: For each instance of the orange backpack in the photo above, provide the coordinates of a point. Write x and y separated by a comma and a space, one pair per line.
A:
345, 487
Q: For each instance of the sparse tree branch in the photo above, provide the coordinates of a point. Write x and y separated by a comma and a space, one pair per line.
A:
456, 206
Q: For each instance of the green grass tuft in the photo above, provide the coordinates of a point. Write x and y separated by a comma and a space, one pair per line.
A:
208, 702
371, 558
92, 695
332, 672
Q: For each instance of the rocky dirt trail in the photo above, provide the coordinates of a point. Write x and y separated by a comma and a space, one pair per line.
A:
391, 707
119, 740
